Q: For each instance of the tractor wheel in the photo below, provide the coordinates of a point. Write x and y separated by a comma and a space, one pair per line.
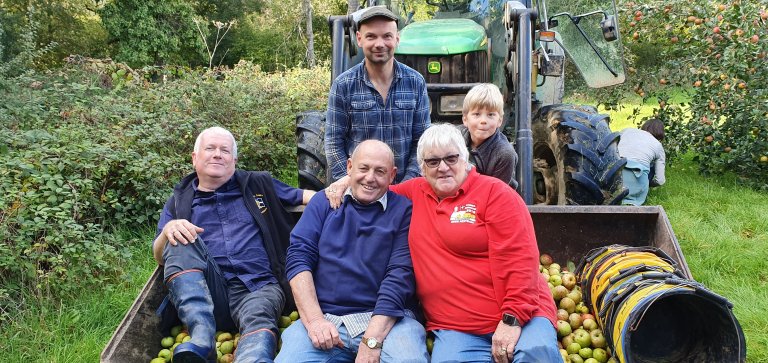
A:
312, 165
576, 157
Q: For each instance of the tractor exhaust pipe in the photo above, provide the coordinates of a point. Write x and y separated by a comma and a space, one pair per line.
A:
517, 13
341, 34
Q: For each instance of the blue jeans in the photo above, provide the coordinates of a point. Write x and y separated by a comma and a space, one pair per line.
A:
406, 342
537, 343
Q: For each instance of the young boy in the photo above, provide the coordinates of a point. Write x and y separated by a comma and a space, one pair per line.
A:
489, 149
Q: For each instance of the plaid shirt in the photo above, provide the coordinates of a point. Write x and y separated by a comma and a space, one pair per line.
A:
357, 112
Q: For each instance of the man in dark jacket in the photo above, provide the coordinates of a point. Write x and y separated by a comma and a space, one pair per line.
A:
222, 239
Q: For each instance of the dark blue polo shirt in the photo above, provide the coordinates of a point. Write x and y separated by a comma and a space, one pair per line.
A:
232, 236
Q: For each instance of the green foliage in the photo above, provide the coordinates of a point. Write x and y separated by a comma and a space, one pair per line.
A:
97, 146
153, 32
718, 51
20, 54
71, 24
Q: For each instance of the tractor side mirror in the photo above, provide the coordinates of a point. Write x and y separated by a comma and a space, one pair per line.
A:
609, 28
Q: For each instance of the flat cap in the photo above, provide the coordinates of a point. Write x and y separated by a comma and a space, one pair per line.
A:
374, 12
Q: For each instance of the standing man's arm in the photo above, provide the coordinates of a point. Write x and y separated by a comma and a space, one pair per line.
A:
420, 123
337, 126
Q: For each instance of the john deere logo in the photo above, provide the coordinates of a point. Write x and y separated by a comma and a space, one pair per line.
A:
433, 67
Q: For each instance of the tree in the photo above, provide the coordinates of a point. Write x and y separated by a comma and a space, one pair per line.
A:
306, 6
71, 25
152, 32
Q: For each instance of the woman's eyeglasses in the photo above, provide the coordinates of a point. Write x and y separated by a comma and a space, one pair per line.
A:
435, 162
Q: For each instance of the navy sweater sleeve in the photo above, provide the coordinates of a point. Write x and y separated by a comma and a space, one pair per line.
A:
303, 252
399, 283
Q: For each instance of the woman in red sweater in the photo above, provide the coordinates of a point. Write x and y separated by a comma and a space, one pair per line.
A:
475, 260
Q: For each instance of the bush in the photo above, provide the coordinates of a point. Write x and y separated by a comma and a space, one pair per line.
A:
97, 146
718, 52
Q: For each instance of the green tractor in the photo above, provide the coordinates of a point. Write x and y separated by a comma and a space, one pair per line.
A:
567, 153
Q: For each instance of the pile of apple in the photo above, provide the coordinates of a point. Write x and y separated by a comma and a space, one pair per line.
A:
226, 342
580, 339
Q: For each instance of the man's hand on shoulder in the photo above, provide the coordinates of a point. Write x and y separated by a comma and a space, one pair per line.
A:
335, 191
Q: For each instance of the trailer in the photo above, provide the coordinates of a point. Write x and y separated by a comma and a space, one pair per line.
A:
565, 232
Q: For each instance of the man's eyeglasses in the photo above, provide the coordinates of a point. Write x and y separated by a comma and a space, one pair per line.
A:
435, 162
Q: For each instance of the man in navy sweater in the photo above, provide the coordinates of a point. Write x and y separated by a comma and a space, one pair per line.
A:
351, 274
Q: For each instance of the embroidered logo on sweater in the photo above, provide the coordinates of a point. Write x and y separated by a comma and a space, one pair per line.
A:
464, 214
260, 203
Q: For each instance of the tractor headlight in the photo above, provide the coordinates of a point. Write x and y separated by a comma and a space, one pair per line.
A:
451, 104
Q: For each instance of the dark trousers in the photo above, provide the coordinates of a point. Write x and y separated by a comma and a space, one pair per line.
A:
234, 306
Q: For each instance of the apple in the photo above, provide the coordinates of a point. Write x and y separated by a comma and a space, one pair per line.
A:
582, 337
589, 324
575, 295
563, 328
224, 337
559, 292
167, 342
598, 338
573, 348
554, 266
556, 280
576, 358
564, 355
590, 360
716, 30
180, 337
545, 259
562, 314
586, 316
569, 280
567, 340
709, 138
600, 355
575, 320
567, 304
585, 353
165, 354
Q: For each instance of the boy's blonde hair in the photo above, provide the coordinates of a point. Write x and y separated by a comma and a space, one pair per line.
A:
484, 95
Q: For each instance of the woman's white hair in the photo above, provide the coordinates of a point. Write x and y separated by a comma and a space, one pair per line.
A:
216, 130
443, 136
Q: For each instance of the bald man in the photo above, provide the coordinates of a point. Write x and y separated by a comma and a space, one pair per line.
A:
351, 274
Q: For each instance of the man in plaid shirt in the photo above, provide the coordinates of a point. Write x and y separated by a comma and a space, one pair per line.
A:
379, 98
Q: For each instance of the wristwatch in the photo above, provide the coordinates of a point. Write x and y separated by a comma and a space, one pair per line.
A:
372, 343
510, 319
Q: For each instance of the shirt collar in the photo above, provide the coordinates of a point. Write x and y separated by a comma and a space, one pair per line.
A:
229, 185
396, 72
382, 200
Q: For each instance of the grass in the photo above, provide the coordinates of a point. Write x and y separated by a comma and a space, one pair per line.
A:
77, 328
721, 226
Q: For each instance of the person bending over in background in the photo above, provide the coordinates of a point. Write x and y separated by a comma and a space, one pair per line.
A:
351, 273
380, 99
475, 260
235, 279
645, 160
489, 150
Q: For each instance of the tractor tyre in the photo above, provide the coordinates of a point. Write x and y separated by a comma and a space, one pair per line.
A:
575, 157
312, 165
